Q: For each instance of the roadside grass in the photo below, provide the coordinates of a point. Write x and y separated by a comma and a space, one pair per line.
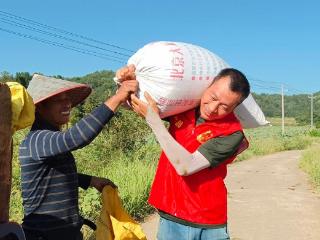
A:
269, 139
310, 163
132, 174
132, 166
277, 121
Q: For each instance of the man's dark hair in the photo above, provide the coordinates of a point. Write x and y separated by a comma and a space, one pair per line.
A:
238, 81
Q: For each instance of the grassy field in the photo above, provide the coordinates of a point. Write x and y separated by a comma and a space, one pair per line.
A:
310, 163
133, 170
278, 121
269, 139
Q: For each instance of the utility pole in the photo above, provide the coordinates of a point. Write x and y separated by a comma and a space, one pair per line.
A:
311, 109
282, 107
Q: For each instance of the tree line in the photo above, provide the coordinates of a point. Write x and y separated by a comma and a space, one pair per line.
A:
296, 106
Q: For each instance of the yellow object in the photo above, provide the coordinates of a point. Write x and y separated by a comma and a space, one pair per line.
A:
23, 109
114, 222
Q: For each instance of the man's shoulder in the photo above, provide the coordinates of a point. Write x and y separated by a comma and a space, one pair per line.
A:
226, 141
34, 134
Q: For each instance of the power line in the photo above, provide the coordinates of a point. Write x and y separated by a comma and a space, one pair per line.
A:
262, 81
93, 53
81, 50
294, 89
9, 15
57, 36
288, 88
265, 87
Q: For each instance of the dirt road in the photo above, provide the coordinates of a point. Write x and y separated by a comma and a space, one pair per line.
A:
269, 198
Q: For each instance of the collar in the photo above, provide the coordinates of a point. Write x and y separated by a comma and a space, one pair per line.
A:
41, 124
199, 119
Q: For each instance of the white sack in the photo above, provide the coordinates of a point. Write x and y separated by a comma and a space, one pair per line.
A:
250, 114
176, 74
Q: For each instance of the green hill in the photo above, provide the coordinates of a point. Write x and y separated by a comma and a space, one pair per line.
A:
296, 106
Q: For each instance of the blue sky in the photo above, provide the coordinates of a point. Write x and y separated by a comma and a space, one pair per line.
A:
271, 41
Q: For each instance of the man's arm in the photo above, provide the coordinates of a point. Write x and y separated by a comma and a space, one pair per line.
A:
185, 163
86, 181
45, 143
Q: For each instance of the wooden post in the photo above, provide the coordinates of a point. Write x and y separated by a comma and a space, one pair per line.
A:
282, 108
5, 151
311, 109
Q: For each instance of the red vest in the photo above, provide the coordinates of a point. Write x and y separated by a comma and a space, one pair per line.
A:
201, 197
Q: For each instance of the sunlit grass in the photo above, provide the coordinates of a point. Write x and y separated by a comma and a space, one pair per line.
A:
277, 121
133, 170
310, 162
269, 139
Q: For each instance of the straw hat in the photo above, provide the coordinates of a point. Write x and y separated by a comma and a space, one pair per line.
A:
41, 88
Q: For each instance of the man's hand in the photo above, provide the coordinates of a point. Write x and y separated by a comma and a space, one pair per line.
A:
126, 73
141, 107
127, 87
99, 183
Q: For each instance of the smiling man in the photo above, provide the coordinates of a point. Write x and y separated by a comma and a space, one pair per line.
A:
188, 188
228, 91
49, 178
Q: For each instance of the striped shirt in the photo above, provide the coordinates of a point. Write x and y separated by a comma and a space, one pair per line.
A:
49, 178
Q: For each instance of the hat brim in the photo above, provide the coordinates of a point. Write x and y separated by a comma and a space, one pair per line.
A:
77, 94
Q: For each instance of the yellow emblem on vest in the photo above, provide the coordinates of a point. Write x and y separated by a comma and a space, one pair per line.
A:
203, 137
178, 124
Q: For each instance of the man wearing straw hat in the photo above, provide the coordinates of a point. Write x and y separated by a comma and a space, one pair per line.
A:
49, 177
